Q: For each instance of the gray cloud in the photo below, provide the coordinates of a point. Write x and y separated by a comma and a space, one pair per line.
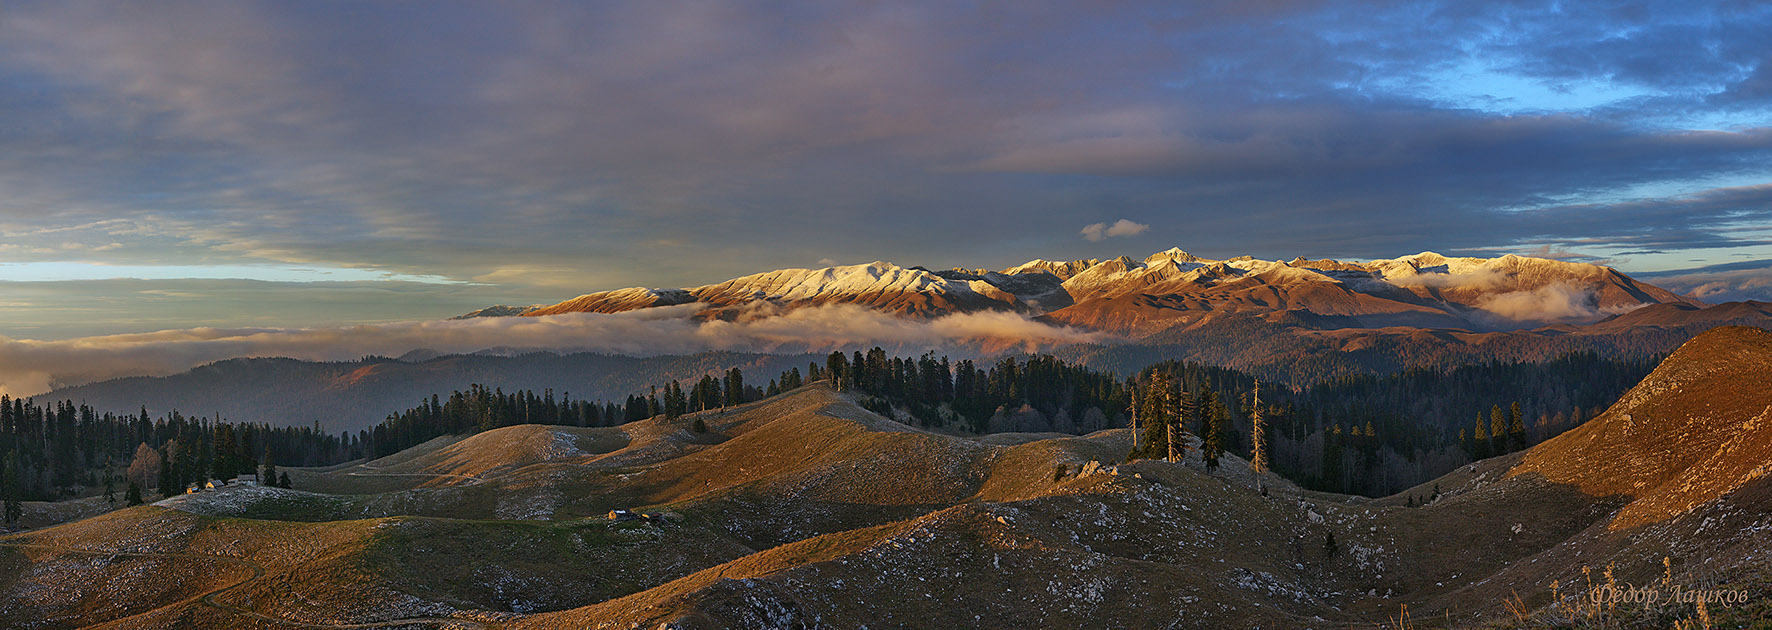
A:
571, 147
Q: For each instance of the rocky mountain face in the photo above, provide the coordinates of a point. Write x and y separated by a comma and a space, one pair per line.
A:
1173, 288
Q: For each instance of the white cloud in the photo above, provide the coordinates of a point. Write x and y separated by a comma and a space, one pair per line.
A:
1721, 286
1122, 227
1475, 278
1555, 302
29, 367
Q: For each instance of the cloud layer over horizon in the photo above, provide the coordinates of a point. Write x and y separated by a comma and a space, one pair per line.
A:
28, 368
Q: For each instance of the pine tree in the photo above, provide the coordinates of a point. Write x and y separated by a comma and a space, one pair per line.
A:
12, 489
133, 496
1212, 418
110, 474
267, 472
837, 367
1156, 414
226, 463
734, 388
284, 481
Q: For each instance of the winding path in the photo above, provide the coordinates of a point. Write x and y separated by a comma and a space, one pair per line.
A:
208, 598
471, 478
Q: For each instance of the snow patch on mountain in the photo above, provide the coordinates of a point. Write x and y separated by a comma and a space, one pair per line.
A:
1424, 289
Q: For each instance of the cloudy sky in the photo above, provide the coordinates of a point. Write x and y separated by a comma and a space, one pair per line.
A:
236, 163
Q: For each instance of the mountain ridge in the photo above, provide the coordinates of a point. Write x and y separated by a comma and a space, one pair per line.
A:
1174, 288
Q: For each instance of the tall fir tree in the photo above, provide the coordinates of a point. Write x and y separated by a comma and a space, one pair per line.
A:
12, 491
1212, 420
267, 471
226, 462
110, 474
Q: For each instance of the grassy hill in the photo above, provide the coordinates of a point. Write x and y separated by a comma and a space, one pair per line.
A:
805, 510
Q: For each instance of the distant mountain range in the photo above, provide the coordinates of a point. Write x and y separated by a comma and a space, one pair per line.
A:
351, 395
1173, 289
1296, 322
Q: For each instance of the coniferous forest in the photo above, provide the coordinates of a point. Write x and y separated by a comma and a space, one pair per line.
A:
1372, 435
60, 450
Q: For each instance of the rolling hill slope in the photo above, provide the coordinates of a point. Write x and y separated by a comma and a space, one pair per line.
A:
1694, 430
805, 510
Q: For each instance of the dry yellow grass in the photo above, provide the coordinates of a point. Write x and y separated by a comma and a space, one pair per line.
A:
1696, 428
807, 509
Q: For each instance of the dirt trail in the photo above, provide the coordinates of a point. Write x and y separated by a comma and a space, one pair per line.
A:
471, 479
258, 571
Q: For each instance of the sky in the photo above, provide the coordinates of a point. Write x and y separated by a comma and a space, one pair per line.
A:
245, 164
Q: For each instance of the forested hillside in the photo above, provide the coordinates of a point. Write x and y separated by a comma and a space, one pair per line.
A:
1364, 434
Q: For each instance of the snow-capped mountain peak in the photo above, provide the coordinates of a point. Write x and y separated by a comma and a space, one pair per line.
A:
1172, 286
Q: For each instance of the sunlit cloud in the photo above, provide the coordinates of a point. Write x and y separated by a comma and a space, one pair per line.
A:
1122, 227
